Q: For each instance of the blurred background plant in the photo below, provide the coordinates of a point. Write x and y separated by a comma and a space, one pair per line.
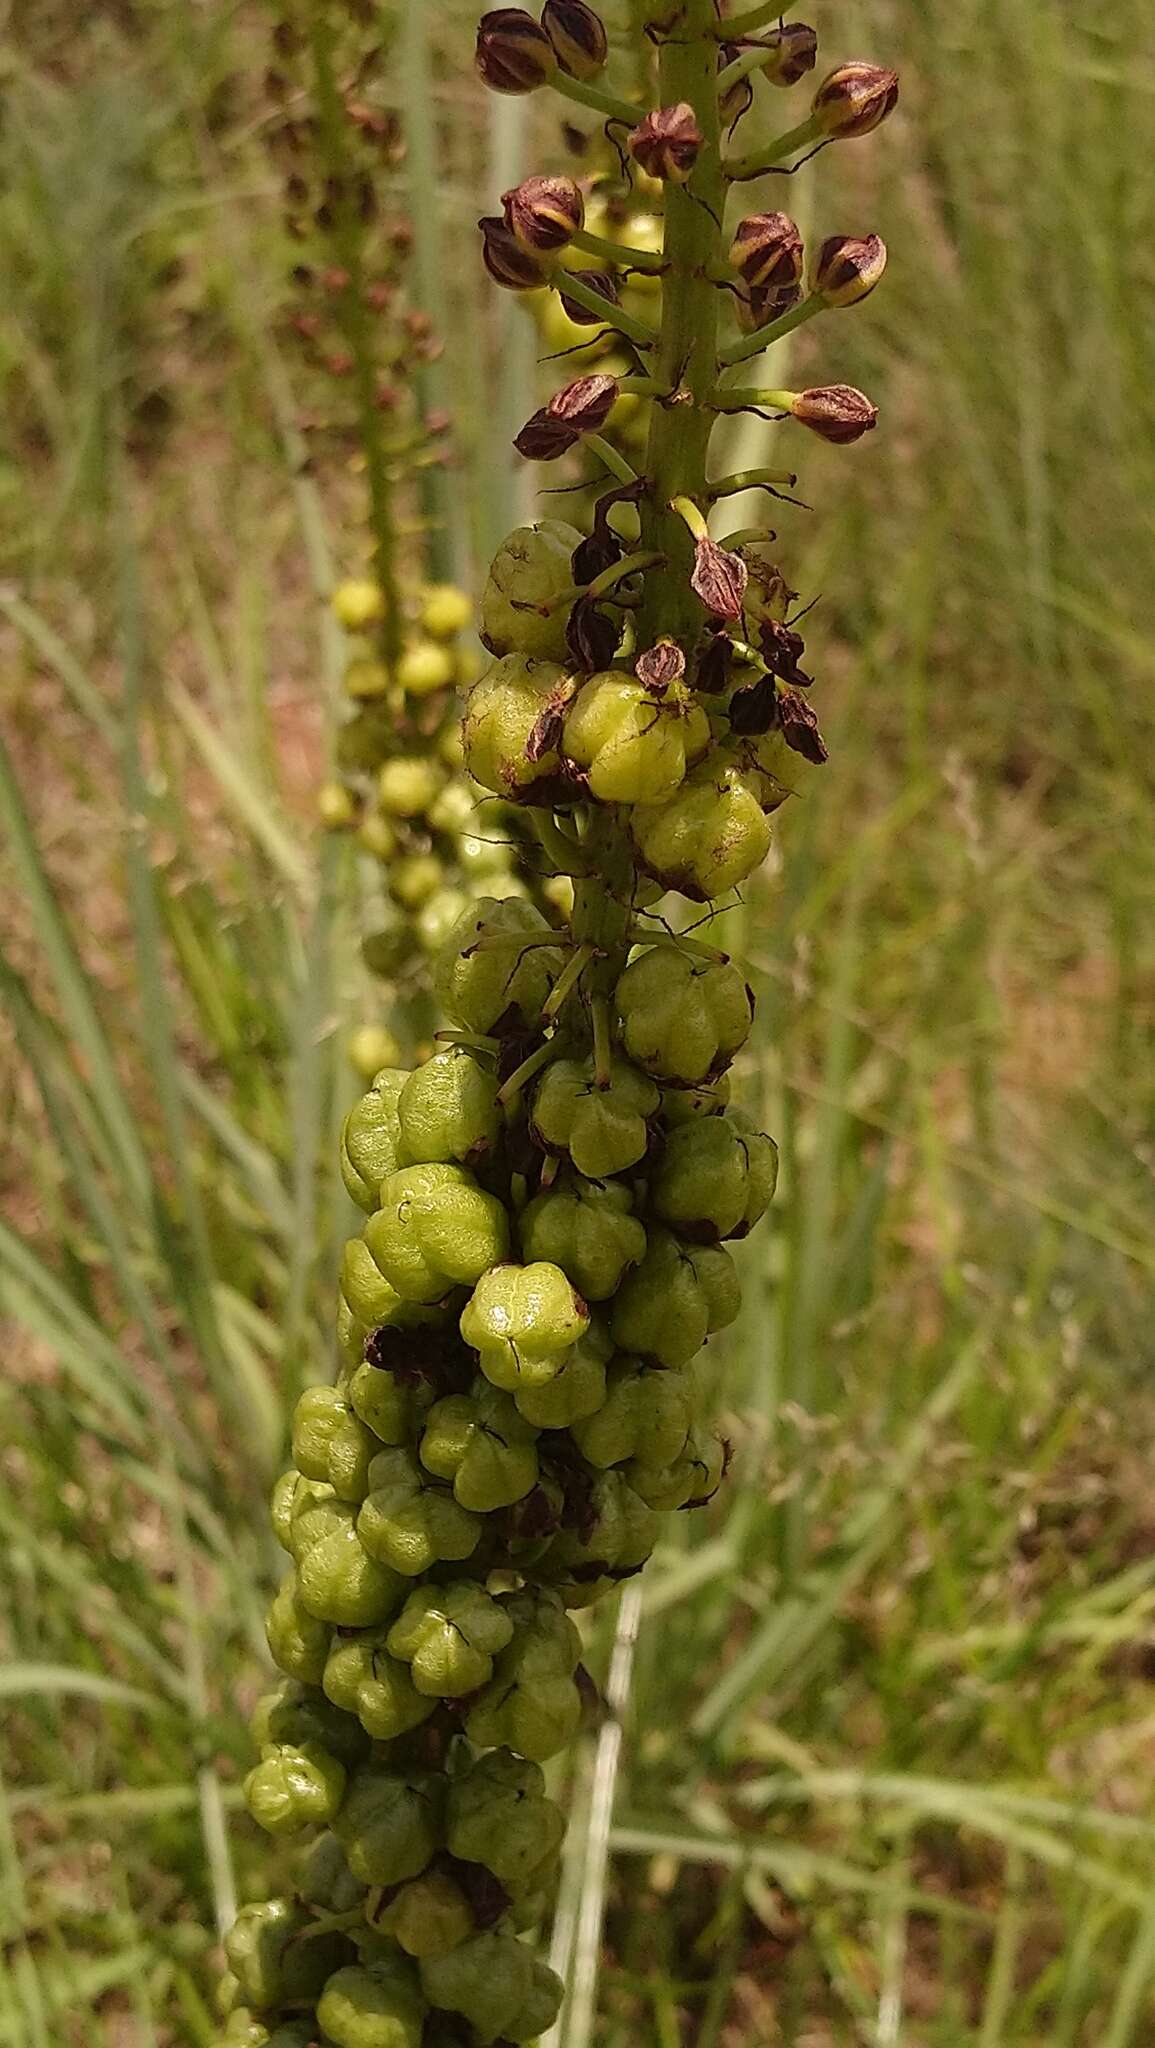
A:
887, 1761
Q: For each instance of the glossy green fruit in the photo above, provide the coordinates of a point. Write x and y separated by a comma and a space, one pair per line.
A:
386, 1406
339, 1583
445, 610
498, 1814
634, 749
272, 1964
324, 1878
683, 1017
429, 1916
368, 1301
646, 1414
300, 1714
505, 716
487, 1979
362, 1678
576, 1391
685, 1481
500, 984
331, 1443
683, 1105
408, 785
390, 1824
523, 1321
370, 1139
619, 1538
435, 1229
376, 2007
449, 1636
715, 1178
294, 1787
408, 1523
425, 668
603, 1130
447, 1111
298, 1641
589, 1231
531, 1704
706, 838
670, 1304
480, 1443
532, 565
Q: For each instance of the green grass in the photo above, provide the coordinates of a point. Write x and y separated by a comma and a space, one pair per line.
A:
885, 1775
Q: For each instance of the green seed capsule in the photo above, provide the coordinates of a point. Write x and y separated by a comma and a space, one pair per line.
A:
682, 1105
674, 1300
603, 1130
298, 1641
324, 1878
429, 1916
367, 1299
687, 1480
445, 611
715, 1178
488, 1980
389, 1825
330, 1443
371, 1139
646, 1414
576, 1391
410, 1524
300, 1715
531, 1704
532, 568
589, 1231
415, 879
481, 1443
362, 1678
407, 787
385, 1406
437, 918
435, 1229
425, 668
504, 715
376, 2007
523, 1321
294, 1787
272, 1964
683, 1018
339, 1583
618, 1538
447, 1112
634, 748
449, 1636
706, 838
498, 1814
493, 973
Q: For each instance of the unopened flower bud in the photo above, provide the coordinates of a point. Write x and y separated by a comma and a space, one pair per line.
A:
795, 47
544, 213
666, 144
767, 251
513, 54
854, 99
738, 98
583, 407
836, 411
578, 36
508, 263
598, 281
848, 268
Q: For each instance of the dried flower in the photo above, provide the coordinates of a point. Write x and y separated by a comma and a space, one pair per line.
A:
795, 47
578, 36
798, 722
836, 411
767, 250
666, 144
739, 97
661, 665
544, 213
854, 99
848, 268
505, 259
580, 408
598, 281
719, 579
513, 54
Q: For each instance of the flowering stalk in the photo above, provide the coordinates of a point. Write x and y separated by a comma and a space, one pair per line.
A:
549, 1198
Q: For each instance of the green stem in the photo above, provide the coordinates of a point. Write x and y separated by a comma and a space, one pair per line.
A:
743, 66
687, 354
608, 454
583, 294
358, 332
740, 398
753, 344
739, 169
752, 480
748, 24
620, 253
601, 102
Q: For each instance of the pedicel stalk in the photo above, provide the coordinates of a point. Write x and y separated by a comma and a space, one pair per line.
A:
548, 1199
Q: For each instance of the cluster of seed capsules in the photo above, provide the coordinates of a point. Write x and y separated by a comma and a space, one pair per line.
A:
549, 1202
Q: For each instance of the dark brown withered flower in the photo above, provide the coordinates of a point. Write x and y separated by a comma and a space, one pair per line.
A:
798, 722
544, 213
592, 635
662, 664
667, 143
795, 47
854, 99
582, 407
836, 411
718, 579
514, 54
578, 36
849, 267
598, 281
508, 263
767, 251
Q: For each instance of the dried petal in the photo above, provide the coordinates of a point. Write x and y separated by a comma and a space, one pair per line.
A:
508, 263
854, 99
578, 36
767, 250
592, 635
667, 143
662, 664
544, 213
849, 267
514, 55
598, 281
837, 412
799, 724
580, 408
719, 579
